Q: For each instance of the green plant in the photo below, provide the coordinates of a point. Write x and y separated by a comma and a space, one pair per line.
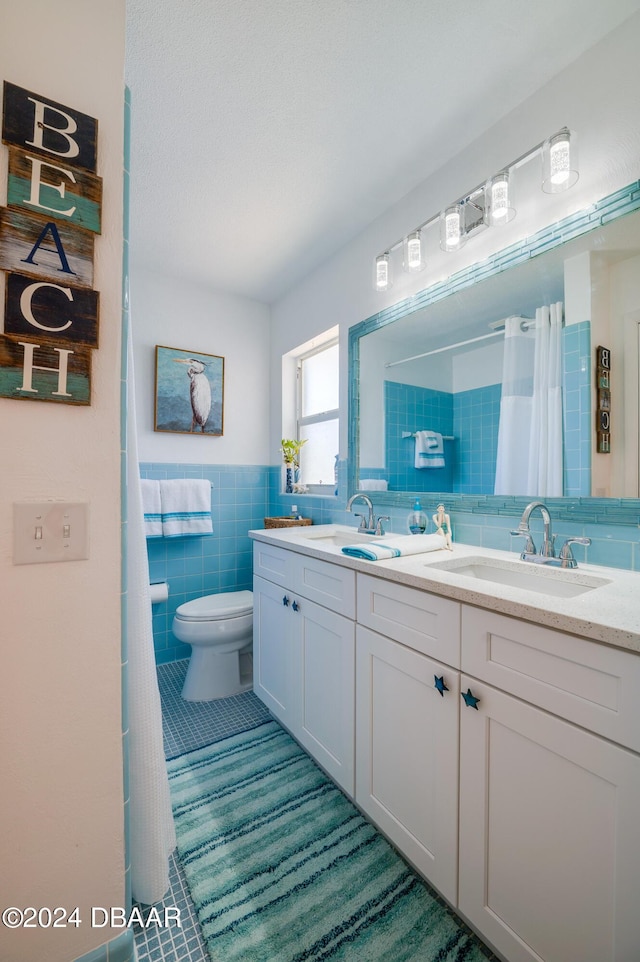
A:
291, 451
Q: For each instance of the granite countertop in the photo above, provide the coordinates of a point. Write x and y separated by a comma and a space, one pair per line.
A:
608, 613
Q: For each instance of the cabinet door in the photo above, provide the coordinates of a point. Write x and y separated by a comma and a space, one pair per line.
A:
274, 651
407, 753
326, 655
549, 846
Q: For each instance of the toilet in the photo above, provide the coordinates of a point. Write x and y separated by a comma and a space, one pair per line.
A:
219, 629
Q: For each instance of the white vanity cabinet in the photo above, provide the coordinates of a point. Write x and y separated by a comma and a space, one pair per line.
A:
519, 802
549, 840
407, 723
303, 653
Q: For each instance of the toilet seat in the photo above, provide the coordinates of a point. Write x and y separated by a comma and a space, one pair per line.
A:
227, 604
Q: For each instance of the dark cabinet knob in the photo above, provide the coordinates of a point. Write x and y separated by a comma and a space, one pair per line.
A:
295, 606
439, 685
285, 601
470, 699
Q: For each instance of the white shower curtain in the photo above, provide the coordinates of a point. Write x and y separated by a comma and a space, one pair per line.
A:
152, 832
529, 455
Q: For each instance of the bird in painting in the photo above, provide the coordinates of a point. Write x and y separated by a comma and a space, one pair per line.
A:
199, 391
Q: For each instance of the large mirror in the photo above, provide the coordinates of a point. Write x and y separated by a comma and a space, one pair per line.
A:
436, 362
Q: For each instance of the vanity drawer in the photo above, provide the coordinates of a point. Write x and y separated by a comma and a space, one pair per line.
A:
415, 618
586, 682
327, 584
274, 564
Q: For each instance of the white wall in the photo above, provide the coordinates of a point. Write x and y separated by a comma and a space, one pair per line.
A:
598, 96
173, 313
61, 808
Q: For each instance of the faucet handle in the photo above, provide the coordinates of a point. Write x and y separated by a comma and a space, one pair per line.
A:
363, 521
379, 528
523, 532
566, 554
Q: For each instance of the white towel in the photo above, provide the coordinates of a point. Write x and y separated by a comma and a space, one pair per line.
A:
186, 507
151, 508
429, 450
372, 484
395, 547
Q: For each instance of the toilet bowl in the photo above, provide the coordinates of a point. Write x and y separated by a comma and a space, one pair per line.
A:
219, 629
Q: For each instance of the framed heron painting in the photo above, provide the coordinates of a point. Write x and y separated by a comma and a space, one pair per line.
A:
189, 392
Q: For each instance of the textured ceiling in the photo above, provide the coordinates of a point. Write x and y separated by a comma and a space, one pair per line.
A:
268, 133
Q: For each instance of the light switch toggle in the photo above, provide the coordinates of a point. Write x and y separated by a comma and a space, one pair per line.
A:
50, 531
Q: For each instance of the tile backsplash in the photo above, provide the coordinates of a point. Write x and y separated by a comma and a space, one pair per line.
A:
242, 496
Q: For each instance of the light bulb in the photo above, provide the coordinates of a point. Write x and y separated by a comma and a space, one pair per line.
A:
559, 161
500, 197
559, 158
452, 228
382, 278
498, 209
413, 260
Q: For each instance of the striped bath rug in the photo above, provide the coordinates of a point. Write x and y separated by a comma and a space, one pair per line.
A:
283, 868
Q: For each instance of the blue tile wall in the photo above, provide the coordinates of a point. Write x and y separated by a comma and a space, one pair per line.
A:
471, 417
576, 395
476, 415
193, 566
613, 545
411, 408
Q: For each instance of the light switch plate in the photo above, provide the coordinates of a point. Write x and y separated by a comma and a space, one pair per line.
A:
50, 531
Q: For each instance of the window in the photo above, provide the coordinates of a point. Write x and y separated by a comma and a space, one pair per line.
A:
317, 413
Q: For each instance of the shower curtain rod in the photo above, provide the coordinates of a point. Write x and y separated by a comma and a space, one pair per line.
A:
499, 325
439, 350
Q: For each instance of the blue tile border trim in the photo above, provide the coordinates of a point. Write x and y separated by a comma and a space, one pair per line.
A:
597, 510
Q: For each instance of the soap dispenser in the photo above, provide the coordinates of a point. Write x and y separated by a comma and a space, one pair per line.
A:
417, 519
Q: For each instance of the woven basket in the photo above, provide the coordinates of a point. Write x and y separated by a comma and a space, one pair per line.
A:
285, 522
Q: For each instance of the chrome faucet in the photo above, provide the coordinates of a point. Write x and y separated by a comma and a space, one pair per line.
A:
367, 526
547, 553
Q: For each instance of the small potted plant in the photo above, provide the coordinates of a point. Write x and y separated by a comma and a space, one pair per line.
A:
290, 448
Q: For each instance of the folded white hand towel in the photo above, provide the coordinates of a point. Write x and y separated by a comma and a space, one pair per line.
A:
186, 507
429, 450
151, 508
372, 484
395, 547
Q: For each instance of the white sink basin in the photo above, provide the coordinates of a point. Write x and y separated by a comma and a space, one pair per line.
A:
337, 536
561, 583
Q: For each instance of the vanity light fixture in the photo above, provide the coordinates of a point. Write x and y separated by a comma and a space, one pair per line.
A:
498, 209
413, 252
559, 162
452, 227
382, 272
488, 205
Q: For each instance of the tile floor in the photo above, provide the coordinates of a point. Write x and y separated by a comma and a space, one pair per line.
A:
186, 726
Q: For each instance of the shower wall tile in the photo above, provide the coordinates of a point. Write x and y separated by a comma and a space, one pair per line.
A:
410, 408
476, 414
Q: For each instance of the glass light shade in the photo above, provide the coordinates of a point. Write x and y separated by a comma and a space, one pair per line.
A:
413, 254
498, 209
452, 228
559, 162
382, 273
